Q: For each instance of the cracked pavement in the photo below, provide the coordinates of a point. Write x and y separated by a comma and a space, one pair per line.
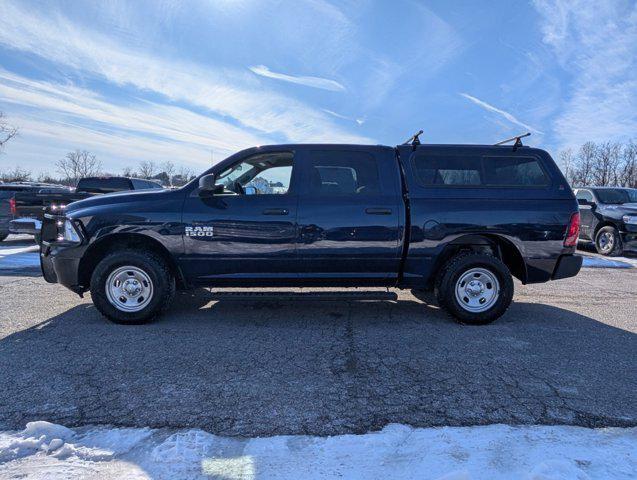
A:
565, 353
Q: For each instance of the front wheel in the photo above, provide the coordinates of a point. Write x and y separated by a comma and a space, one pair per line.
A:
475, 288
132, 287
608, 241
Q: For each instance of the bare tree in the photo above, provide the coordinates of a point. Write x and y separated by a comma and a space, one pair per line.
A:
628, 172
128, 172
604, 171
183, 176
78, 164
567, 162
169, 168
7, 132
16, 175
586, 157
147, 169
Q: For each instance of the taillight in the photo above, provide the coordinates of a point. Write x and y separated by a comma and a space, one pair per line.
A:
12, 205
572, 234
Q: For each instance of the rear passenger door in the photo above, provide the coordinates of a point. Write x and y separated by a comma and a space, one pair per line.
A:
350, 215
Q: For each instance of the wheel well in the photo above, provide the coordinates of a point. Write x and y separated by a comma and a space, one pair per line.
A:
492, 244
110, 243
601, 225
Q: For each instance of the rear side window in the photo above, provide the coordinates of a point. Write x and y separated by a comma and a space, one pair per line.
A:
514, 172
343, 173
448, 170
103, 185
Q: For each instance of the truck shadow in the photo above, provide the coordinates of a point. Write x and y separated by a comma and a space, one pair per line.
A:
302, 367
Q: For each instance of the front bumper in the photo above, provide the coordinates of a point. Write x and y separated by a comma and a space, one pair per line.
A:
30, 226
61, 264
629, 238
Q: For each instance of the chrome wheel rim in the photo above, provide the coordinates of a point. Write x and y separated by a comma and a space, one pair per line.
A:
477, 290
129, 289
606, 241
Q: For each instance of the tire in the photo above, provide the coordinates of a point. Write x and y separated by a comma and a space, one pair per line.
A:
152, 286
476, 276
608, 242
3, 236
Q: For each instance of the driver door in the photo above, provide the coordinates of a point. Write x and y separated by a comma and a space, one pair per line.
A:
249, 230
586, 202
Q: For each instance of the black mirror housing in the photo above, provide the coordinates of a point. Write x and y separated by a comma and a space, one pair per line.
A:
207, 183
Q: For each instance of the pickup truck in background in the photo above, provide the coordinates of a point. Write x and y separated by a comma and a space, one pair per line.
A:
609, 218
28, 206
7, 200
458, 219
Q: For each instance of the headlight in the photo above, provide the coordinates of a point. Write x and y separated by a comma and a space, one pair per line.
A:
632, 219
70, 233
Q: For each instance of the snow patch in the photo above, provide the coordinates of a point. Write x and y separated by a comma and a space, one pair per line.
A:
495, 452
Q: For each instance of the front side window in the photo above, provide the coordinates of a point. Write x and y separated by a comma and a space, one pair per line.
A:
263, 174
343, 173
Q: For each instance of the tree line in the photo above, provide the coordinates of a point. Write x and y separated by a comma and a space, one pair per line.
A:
82, 163
602, 164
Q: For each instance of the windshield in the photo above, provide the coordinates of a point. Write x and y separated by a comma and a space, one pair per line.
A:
632, 193
614, 196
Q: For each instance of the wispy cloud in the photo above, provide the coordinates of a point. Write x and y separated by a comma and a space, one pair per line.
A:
314, 82
80, 118
225, 93
359, 121
508, 116
596, 44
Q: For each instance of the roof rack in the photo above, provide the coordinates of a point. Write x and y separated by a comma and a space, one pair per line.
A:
414, 140
517, 138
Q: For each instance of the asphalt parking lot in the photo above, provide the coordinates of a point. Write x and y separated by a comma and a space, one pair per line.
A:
565, 353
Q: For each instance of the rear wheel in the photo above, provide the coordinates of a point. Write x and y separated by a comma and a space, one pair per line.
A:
132, 287
608, 241
475, 288
3, 236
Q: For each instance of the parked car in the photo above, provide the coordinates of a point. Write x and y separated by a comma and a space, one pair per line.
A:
29, 205
609, 218
459, 219
7, 201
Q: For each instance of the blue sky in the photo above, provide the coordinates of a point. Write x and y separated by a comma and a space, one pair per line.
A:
170, 80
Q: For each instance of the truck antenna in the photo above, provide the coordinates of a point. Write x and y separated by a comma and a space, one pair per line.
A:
414, 140
517, 138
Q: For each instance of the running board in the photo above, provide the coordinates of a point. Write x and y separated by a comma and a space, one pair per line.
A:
312, 296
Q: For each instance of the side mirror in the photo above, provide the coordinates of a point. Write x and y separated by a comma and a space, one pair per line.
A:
250, 190
207, 185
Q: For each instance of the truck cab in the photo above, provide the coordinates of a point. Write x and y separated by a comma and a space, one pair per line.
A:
461, 220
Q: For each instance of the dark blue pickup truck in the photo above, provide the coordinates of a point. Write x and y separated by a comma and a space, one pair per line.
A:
459, 219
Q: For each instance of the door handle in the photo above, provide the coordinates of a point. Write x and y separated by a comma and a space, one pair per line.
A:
275, 211
378, 211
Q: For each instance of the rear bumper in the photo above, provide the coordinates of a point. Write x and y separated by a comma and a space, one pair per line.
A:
567, 266
31, 226
540, 270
